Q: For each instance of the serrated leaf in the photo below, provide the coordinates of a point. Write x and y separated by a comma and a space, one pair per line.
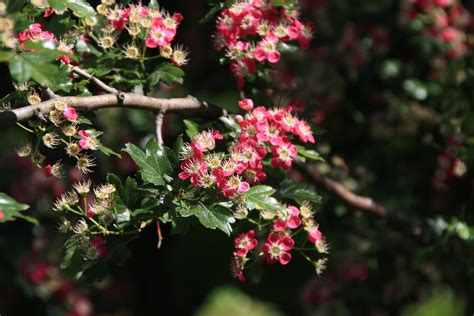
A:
32, 66
259, 197
192, 128
153, 163
167, 73
215, 216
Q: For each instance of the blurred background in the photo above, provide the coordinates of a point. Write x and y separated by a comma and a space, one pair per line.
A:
389, 87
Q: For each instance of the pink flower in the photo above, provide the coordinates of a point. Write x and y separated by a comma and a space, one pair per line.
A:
2, 215
235, 185
48, 171
70, 113
48, 13
206, 140
85, 141
443, 3
283, 155
276, 248
314, 235
244, 243
266, 49
450, 34
246, 104
193, 170
289, 218
303, 130
98, 243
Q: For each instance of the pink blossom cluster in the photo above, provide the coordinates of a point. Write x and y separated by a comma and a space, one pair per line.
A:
450, 165
251, 30
262, 131
450, 23
35, 33
270, 128
43, 274
279, 242
160, 31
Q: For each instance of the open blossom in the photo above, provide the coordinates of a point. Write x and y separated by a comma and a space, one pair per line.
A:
283, 155
99, 245
287, 218
162, 31
206, 140
244, 243
85, 139
250, 31
303, 130
193, 169
266, 50
235, 185
277, 247
34, 33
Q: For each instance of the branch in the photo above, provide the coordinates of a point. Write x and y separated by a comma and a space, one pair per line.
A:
49, 93
188, 106
159, 127
95, 80
410, 227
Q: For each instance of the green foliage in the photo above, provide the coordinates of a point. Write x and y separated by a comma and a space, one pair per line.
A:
232, 302
34, 66
80, 8
166, 73
260, 197
153, 162
304, 153
10, 210
442, 303
298, 192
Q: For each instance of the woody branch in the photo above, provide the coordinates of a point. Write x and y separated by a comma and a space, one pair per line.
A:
410, 227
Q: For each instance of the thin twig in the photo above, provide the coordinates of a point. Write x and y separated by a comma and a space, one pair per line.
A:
159, 127
410, 227
99, 83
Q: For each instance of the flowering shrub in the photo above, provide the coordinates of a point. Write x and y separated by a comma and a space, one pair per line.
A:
217, 177
383, 93
253, 32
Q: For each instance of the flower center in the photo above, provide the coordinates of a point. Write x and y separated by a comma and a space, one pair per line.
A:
275, 251
284, 154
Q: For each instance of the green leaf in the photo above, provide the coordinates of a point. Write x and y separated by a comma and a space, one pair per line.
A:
15, 5
259, 197
153, 163
299, 193
167, 73
215, 216
80, 8
309, 153
130, 192
5, 56
107, 151
10, 210
58, 5
33, 66
192, 128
